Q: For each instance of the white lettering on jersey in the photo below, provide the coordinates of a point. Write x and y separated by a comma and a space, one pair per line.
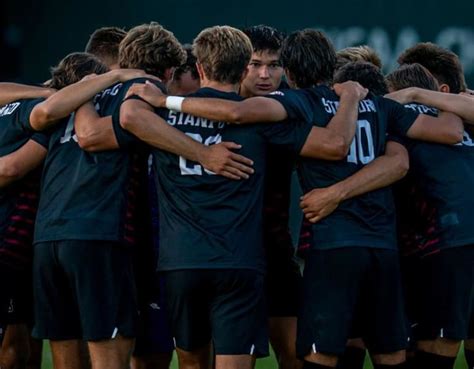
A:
9, 109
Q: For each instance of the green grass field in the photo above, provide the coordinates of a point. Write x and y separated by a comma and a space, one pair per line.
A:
267, 363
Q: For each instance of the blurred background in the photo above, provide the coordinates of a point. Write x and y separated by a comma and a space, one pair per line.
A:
36, 34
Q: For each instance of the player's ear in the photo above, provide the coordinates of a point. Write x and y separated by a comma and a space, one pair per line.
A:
200, 70
168, 74
444, 88
289, 78
244, 74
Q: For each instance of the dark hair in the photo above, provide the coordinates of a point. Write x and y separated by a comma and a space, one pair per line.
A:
73, 68
309, 56
265, 38
367, 74
152, 48
443, 64
188, 66
411, 75
223, 52
104, 43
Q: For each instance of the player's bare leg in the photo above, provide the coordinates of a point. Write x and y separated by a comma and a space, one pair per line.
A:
15, 347
197, 359
69, 354
282, 332
321, 359
235, 361
389, 359
153, 361
111, 354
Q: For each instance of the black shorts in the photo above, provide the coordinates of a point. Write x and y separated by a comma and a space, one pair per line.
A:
441, 302
154, 334
16, 297
224, 306
83, 290
283, 284
351, 292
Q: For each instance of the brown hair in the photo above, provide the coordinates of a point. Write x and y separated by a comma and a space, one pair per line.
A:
411, 75
223, 52
73, 68
443, 64
367, 74
104, 43
309, 56
152, 48
358, 53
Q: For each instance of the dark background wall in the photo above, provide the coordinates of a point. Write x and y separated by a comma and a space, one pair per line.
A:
37, 33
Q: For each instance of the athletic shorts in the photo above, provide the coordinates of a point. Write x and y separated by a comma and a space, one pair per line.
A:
441, 303
351, 292
282, 284
16, 297
154, 334
83, 290
225, 306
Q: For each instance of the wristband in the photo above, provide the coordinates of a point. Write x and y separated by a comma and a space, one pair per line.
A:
174, 103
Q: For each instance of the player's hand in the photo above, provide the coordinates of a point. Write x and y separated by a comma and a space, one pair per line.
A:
350, 89
319, 203
126, 74
404, 96
149, 92
221, 160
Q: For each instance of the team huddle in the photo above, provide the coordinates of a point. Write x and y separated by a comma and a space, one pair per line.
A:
145, 192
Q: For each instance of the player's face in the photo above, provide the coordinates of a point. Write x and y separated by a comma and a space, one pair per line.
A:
264, 74
185, 85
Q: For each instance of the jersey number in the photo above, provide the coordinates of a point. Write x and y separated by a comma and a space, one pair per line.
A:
68, 133
190, 168
362, 146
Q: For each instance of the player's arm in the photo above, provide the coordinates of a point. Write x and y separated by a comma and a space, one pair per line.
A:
17, 164
252, 110
333, 141
447, 128
94, 133
138, 118
458, 104
383, 171
10, 92
68, 99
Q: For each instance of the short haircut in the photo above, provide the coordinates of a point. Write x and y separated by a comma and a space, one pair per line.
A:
104, 43
411, 75
265, 38
358, 53
73, 68
152, 48
223, 52
188, 66
309, 56
443, 64
367, 74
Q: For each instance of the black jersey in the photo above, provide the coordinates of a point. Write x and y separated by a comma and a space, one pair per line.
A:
92, 195
367, 220
435, 200
18, 201
208, 221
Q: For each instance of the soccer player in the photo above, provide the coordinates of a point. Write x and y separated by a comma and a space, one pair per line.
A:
283, 279
23, 150
104, 43
207, 249
185, 78
437, 235
310, 58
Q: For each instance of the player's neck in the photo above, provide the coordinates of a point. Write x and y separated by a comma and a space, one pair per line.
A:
224, 87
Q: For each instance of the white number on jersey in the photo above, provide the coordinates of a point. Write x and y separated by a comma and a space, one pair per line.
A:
69, 132
362, 146
192, 169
